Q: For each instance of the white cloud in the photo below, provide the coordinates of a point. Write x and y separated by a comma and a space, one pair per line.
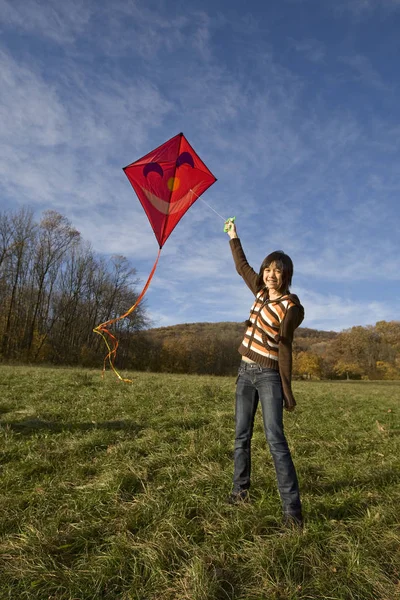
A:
59, 21
312, 49
365, 72
362, 7
333, 312
57, 152
30, 109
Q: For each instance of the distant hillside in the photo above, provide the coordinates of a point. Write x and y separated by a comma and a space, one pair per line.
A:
304, 336
306, 339
196, 329
206, 347
371, 352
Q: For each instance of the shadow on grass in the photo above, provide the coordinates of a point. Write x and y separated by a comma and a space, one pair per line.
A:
32, 426
374, 481
346, 510
337, 508
393, 432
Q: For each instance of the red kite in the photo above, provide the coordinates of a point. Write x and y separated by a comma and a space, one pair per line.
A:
167, 181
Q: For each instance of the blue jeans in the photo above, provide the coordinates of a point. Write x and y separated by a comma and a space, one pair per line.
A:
259, 383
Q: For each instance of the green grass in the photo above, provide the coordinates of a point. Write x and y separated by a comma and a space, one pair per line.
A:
112, 490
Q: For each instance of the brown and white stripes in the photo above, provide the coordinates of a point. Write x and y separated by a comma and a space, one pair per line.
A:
262, 336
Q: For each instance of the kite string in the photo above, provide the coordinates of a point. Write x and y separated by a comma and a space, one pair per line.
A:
206, 203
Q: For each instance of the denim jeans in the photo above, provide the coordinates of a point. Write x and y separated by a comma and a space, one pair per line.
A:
259, 383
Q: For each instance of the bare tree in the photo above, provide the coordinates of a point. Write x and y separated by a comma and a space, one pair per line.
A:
56, 237
54, 291
19, 237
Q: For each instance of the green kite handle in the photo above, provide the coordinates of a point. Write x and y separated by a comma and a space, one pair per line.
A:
227, 223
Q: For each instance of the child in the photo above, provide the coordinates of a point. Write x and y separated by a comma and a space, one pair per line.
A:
265, 374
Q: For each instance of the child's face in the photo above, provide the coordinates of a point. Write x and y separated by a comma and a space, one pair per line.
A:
273, 277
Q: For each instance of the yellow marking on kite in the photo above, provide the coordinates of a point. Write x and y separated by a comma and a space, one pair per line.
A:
173, 183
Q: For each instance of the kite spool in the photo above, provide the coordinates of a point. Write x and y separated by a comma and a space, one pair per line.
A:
228, 222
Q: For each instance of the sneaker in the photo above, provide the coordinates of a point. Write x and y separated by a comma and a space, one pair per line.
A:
238, 497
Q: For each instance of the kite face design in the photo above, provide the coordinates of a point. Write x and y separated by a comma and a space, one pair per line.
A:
167, 182
171, 180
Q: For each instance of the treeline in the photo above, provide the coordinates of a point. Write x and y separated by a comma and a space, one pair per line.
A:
200, 348
54, 290
371, 352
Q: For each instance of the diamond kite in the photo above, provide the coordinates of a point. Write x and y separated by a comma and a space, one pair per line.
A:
167, 181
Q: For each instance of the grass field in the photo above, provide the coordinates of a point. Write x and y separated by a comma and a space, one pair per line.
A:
112, 490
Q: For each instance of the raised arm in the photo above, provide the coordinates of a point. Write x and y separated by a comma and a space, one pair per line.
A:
248, 274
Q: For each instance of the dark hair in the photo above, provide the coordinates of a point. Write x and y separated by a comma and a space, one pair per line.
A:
283, 262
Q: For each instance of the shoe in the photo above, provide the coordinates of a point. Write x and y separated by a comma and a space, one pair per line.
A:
294, 522
238, 497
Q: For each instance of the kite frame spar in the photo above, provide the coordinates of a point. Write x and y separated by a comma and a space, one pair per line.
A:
168, 158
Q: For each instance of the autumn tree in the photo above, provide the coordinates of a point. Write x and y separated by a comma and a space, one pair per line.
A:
387, 370
358, 346
390, 333
352, 370
307, 365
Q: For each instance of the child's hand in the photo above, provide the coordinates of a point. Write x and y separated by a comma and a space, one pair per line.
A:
230, 228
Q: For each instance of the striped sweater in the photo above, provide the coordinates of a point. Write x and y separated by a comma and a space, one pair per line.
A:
269, 335
262, 336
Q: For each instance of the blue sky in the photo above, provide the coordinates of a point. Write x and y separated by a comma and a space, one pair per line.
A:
292, 104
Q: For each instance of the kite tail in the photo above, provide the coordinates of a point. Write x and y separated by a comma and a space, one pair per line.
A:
112, 342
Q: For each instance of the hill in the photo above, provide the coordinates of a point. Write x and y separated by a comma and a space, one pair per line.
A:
207, 347
371, 352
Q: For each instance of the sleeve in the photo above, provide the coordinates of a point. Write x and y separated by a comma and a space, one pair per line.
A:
248, 274
292, 320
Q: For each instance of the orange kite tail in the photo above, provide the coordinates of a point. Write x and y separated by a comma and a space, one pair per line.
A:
109, 339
